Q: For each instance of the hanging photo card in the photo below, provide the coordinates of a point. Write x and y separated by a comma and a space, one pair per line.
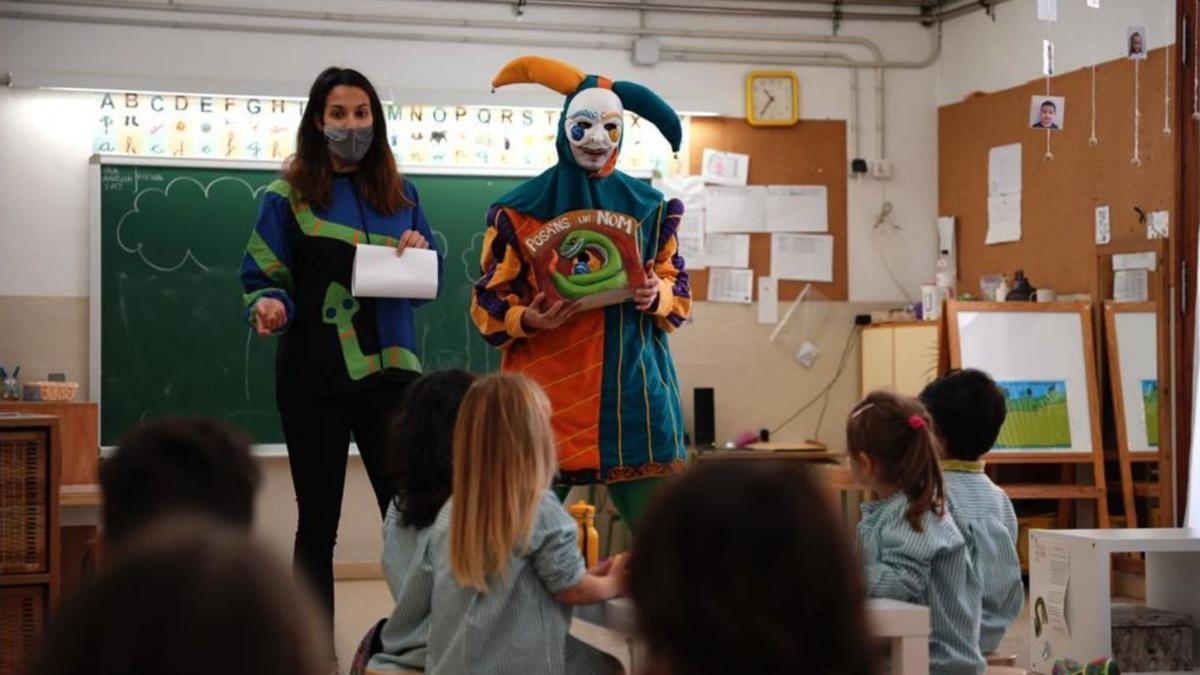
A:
1136, 42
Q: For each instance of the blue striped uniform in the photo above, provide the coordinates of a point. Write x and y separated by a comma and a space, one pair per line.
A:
517, 627
985, 516
930, 568
408, 568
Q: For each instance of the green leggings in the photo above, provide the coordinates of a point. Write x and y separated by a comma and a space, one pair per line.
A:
630, 498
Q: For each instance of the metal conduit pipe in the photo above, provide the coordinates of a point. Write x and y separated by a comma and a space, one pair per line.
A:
821, 59
183, 7
723, 10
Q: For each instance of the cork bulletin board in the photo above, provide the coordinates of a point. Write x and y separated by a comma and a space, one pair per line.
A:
813, 152
1057, 248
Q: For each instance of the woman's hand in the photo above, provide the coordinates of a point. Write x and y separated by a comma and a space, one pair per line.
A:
645, 295
411, 239
269, 315
541, 315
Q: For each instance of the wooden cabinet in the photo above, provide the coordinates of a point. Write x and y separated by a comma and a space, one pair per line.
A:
899, 357
30, 458
79, 422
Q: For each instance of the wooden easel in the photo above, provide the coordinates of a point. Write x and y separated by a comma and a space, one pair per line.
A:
1067, 490
1128, 453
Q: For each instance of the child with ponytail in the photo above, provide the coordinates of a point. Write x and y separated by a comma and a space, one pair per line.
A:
911, 549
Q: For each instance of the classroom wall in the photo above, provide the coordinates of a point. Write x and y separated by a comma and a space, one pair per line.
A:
45, 141
986, 55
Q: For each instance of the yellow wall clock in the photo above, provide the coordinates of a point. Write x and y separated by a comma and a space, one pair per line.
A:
772, 98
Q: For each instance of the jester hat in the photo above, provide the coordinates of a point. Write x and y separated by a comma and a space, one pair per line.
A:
565, 186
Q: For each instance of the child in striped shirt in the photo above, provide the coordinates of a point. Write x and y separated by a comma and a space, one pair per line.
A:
968, 410
503, 551
911, 549
418, 469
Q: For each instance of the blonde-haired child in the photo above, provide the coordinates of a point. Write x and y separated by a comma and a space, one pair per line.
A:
507, 567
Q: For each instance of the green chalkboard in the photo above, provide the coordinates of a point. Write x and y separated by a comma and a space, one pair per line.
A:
172, 339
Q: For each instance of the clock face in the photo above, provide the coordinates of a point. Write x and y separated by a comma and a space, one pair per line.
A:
771, 98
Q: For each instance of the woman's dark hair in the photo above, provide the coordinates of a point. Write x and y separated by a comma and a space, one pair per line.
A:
422, 445
188, 596
177, 465
897, 434
782, 594
310, 170
968, 411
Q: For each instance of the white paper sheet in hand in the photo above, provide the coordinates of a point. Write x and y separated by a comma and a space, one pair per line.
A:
380, 273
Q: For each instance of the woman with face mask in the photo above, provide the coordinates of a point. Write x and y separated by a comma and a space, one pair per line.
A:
343, 362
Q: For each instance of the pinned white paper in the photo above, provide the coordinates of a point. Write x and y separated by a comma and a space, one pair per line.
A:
726, 285
690, 237
797, 208
1135, 261
379, 273
1004, 170
1047, 10
724, 168
1156, 225
1131, 285
687, 189
726, 250
768, 300
736, 209
1004, 219
1103, 225
805, 257
1094, 4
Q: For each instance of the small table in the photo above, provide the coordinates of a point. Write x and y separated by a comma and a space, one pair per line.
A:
1172, 560
905, 626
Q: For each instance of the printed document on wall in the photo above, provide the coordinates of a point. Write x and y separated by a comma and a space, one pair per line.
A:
804, 257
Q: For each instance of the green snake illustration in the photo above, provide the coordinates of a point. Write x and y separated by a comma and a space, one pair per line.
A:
339, 310
611, 275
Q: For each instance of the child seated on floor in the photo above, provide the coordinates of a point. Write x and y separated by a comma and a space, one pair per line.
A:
911, 549
968, 410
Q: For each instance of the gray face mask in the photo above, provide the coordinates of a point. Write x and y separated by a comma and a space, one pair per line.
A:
349, 144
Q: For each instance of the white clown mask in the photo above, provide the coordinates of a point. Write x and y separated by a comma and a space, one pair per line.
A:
594, 123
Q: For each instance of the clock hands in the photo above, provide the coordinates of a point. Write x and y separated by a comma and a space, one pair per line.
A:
770, 100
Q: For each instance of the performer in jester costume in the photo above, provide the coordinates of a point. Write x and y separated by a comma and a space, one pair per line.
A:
607, 371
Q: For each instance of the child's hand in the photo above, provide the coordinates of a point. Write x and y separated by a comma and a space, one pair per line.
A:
617, 570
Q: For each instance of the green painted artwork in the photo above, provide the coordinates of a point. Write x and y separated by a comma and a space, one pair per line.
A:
1150, 410
1037, 416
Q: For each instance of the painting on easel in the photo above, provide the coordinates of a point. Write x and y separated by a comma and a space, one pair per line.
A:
1150, 410
1037, 417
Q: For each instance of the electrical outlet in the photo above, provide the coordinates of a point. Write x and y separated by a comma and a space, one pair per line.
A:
881, 168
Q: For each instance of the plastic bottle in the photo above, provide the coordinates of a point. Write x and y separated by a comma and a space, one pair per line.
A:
1002, 290
585, 530
945, 278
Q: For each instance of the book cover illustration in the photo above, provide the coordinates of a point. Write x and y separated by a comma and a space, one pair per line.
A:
587, 256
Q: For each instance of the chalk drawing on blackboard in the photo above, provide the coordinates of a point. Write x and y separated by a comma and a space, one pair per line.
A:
142, 225
249, 339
